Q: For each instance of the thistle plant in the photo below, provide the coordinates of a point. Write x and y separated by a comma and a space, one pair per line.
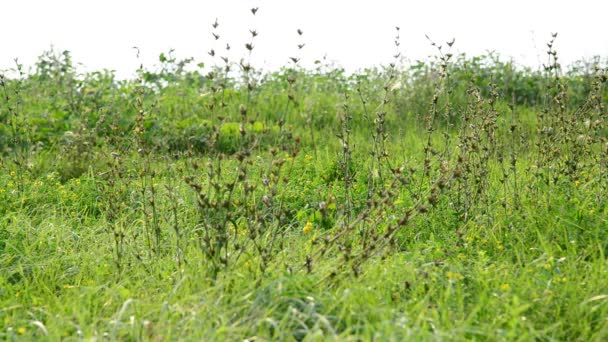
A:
239, 214
146, 175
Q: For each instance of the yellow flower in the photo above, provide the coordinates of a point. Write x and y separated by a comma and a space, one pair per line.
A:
561, 279
577, 183
505, 287
307, 227
21, 331
454, 276
12, 173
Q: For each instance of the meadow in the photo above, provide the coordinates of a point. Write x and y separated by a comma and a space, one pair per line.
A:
457, 198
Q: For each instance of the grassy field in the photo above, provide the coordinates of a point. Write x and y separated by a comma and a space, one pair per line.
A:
454, 199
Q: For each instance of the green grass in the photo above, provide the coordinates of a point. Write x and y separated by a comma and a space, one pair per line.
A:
181, 206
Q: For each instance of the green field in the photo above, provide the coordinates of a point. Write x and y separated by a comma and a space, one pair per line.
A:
458, 198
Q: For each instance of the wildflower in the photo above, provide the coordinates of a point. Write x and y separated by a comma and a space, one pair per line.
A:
307, 227
21, 331
453, 276
505, 287
561, 279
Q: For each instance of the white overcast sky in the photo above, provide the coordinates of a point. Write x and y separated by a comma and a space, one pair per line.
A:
355, 34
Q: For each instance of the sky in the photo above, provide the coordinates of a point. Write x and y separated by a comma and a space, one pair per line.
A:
353, 34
